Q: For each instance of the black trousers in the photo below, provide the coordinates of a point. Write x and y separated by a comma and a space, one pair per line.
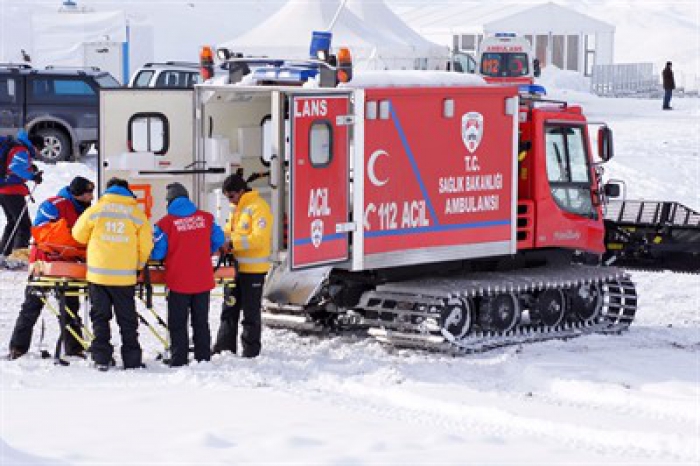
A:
29, 314
180, 307
13, 205
120, 300
248, 298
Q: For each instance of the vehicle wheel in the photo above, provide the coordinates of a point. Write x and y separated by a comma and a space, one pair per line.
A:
586, 302
57, 145
457, 318
499, 313
549, 308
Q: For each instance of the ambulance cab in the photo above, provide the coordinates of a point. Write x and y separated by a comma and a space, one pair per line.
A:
507, 58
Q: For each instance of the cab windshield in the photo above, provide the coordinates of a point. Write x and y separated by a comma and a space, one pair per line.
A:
508, 65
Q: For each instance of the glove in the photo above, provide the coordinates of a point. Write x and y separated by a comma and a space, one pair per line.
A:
38, 177
226, 248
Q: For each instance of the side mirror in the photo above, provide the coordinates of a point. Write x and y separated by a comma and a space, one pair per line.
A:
605, 143
536, 71
612, 190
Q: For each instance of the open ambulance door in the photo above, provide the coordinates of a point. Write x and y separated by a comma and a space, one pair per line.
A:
319, 177
146, 137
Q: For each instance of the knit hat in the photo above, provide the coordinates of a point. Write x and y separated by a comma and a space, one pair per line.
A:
175, 190
37, 141
234, 183
80, 186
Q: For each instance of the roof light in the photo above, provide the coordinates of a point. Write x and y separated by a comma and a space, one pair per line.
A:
206, 62
223, 53
344, 58
320, 43
532, 89
505, 34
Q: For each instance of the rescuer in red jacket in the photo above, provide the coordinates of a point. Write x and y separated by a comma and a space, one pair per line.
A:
53, 241
186, 238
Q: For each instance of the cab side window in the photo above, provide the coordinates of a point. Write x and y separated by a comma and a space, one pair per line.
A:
568, 169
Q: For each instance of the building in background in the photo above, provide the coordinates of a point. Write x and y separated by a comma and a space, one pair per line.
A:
560, 36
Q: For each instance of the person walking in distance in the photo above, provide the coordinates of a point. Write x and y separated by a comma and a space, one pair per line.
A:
119, 241
669, 85
186, 238
16, 171
53, 242
250, 231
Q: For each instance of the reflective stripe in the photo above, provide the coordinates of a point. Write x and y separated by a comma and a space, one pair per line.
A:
252, 260
117, 215
102, 271
46, 214
245, 243
17, 157
248, 211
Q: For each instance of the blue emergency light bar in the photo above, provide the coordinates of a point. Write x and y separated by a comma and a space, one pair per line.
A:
532, 89
505, 34
287, 73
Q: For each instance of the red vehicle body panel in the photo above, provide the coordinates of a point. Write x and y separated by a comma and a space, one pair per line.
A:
320, 193
432, 181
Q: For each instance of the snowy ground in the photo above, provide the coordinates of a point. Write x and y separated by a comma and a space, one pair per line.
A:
629, 399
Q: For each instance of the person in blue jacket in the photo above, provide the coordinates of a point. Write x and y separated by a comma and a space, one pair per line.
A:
13, 188
186, 238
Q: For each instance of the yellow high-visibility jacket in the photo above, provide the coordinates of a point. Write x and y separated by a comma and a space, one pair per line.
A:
119, 238
250, 230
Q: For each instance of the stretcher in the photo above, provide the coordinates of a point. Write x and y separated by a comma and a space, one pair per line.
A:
64, 279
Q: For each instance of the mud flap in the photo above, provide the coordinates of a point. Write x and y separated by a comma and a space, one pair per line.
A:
294, 288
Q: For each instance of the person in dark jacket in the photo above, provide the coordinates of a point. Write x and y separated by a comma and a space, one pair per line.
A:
669, 85
186, 238
13, 190
51, 231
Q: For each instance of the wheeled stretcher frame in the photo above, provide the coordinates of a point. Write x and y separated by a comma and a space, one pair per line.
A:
65, 279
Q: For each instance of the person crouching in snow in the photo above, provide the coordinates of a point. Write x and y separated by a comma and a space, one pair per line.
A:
186, 238
53, 242
119, 240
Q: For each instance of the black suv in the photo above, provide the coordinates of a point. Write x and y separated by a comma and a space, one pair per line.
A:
60, 104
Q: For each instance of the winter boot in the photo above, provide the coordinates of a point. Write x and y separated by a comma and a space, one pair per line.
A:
15, 354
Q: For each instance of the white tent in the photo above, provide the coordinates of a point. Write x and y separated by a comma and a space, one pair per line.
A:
563, 33
110, 40
560, 35
377, 15
287, 34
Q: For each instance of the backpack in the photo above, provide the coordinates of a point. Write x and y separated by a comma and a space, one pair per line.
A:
6, 145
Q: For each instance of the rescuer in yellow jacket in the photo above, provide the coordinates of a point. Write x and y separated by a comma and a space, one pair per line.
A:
250, 231
119, 240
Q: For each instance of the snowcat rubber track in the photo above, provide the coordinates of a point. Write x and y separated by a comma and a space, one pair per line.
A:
412, 313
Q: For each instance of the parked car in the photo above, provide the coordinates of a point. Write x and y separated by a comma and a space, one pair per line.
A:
60, 104
171, 74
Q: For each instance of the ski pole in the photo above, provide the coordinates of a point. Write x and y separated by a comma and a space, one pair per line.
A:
11, 238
